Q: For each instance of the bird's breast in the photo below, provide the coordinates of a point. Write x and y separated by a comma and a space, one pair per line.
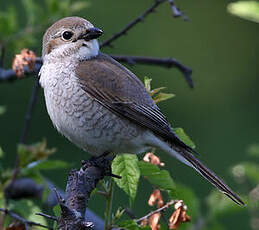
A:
82, 119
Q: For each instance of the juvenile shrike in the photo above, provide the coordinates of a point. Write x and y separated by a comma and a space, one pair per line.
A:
100, 105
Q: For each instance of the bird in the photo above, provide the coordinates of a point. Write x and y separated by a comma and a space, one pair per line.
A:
100, 105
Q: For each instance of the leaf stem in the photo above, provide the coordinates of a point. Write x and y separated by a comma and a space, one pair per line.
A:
109, 205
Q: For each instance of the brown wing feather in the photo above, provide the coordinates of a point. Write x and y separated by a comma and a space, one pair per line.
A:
119, 90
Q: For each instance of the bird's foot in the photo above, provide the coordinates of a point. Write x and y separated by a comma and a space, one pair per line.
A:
103, 161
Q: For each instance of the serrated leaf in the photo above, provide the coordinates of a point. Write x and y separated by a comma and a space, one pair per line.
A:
126, 166
183, 136
2, 110
156, 176
162, 97
248, 10
147, 83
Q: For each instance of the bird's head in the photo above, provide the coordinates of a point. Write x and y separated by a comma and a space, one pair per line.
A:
71, 36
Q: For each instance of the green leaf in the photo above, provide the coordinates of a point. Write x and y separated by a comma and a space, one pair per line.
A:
48, 165
248, 10
147, 83
162, 97
126, 165
35, 152
2, 110
57, 210
1, 153
131, 225
155, 176
183, 136
27, 209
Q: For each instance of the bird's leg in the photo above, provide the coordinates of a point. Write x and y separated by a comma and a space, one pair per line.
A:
103, 161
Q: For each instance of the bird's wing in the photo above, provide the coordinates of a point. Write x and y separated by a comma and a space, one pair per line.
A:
120, 91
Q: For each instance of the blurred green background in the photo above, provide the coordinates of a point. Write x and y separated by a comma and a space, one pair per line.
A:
220, 114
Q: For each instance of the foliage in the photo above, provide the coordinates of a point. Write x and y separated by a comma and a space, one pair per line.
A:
248, 10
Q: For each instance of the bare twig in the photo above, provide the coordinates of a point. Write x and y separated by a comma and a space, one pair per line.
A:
167, 205
22, 220
28, 115
163, 62
47, 216
6, 75
132, 24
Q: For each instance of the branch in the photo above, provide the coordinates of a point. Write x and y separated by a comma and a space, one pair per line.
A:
80, 184
163, 62
132, 24
26, 223
7, 75
166, 206
28, 115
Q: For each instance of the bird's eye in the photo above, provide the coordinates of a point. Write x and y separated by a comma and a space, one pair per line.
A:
67, 35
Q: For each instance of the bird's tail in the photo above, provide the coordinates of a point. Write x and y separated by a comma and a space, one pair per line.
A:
189, 159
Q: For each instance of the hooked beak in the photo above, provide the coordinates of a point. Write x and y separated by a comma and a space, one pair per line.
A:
91, 34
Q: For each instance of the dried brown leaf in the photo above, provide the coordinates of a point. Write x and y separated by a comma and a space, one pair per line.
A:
25, 58
154, 221
153, 159
156, 196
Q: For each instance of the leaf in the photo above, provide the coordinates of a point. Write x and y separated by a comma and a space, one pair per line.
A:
27, 209
126, 165
189, 198
1, 152
131, 225
183, 136
48, 165
2, 110
248, 10
35, 152
147, 83
162, 97
155, 176
57, 210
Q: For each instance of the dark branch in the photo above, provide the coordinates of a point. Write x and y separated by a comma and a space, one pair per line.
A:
163, 62
131, 60
132, 24
22, 220
79, 187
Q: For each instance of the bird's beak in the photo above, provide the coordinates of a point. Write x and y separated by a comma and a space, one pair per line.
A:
91, 33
